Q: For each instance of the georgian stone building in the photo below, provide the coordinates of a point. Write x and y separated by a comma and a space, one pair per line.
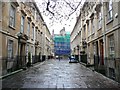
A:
98, 30
76, 38
0, 38
48, 43
9, 30
21, 35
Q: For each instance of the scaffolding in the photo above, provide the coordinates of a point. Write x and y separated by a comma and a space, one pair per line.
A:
62, 44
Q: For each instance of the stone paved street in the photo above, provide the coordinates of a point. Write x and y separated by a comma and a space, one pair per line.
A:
58, 74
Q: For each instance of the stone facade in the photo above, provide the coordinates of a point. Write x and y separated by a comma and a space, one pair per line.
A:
97, 28
0, 38
21, 35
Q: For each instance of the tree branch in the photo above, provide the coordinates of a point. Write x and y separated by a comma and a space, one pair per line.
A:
69, 5
47, 8
75, 8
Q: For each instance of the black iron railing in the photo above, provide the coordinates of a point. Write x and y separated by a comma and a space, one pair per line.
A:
110, 68
36, 58
11, 64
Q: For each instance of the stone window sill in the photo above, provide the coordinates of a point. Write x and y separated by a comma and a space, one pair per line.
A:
99, 28
109, 21
12, 27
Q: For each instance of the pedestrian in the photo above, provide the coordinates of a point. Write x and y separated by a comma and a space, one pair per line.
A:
59, 58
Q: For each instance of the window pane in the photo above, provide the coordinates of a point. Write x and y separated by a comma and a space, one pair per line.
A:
11, 21
110, 10
22, 24
22, 29
10, 49
110, 5
28, 31
111, 46
100, 19
33, 31
111, 15
12, 16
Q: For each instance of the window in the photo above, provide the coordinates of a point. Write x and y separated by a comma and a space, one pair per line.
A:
84, 30
28, 29
32, 50
110, 10
37, 16
32, 32
10, 49
100, 20
92, 26
111, 46
22, 24
12, 16
36, 34
88, 28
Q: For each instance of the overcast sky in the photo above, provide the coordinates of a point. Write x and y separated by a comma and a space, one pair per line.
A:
57, 26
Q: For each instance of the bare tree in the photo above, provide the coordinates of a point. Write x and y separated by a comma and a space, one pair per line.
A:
59, 10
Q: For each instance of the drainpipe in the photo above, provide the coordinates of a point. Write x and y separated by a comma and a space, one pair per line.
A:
104, 28
18, 53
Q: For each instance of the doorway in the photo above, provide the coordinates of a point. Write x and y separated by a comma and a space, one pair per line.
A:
101, 52
22, 55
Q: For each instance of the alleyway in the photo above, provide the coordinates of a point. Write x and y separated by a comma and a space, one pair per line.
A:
58, 74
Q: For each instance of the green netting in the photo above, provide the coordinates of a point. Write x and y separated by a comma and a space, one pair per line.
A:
65, 38
68, 33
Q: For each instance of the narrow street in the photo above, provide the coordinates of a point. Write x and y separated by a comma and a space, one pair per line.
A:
58, 74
